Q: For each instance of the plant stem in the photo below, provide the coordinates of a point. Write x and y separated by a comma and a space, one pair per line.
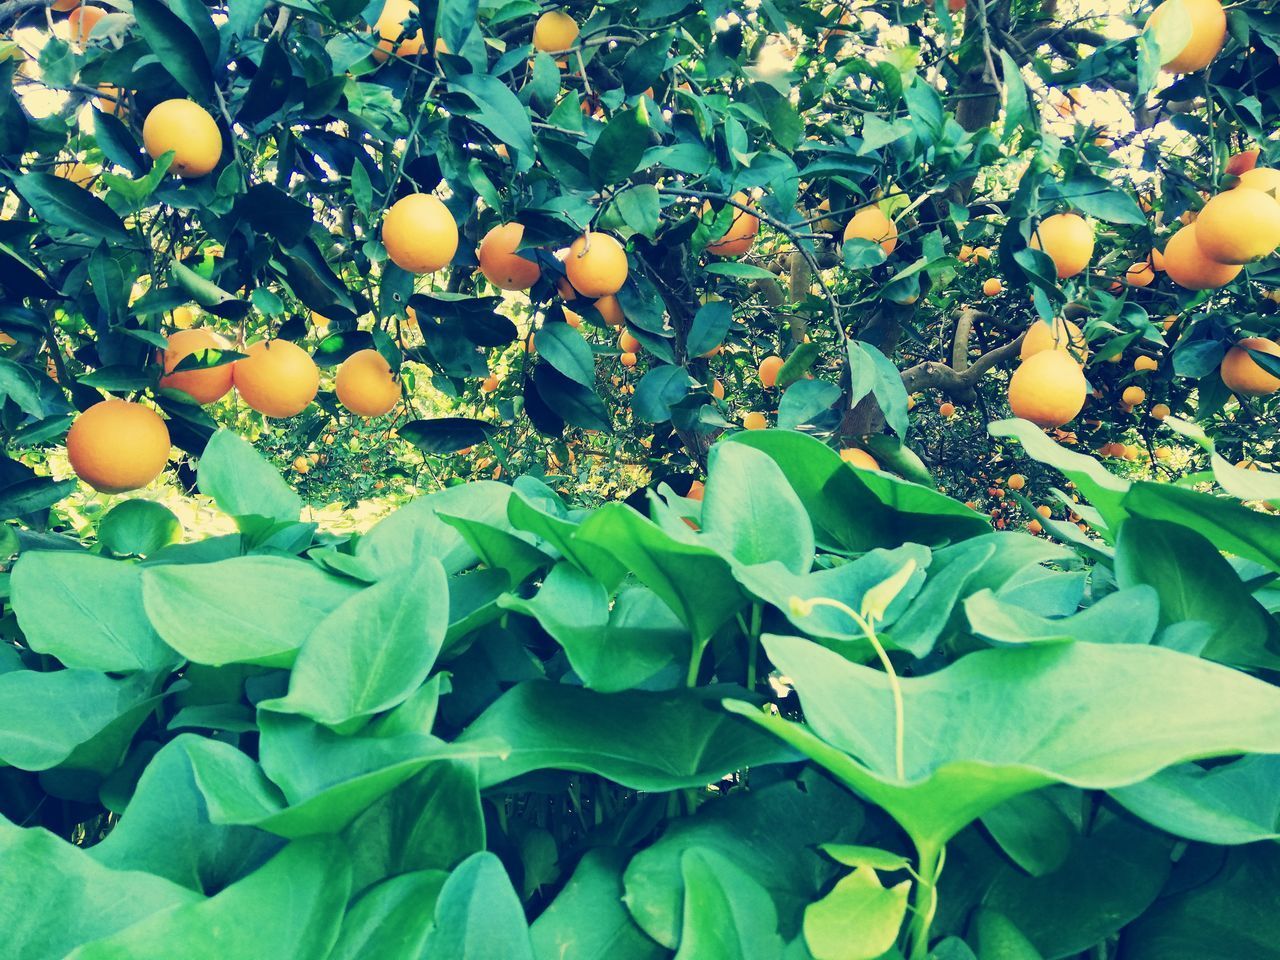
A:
924, 901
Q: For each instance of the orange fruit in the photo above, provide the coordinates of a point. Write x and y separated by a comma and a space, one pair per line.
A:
1062, 335
859, 458
768, 370
78, 173
116, 445
947, 409
596, 265
1140, 274
1239, 226
1017, 481
610, 311
1159, 411
1163, 453
499, 261
1265, 179
1045, 511
992, 286
1208, 33
717, 389
572, 319
364, 384
1068, 240
420, 233
390, 28
628, 359
741, 234
82, 21
1141, 363
277, 378
185, 317
189, 130
489, 385
870, 223
1034, 526
554, 31
1244, 375
111, 99
627, 343
965, 254
301, 464
1188, 267
981, 253
955, 6
755, 421
203, 386
62, 6
1048, 388
1133, 396
697, 490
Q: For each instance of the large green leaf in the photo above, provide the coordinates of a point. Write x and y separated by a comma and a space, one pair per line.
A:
59, 201
57, 896
45, 717
998, 723
538, 512
1127, 616
751, 512
288, 909
1234, 803
1194, 582
413, 533
176, 45
587, 920
373, 651
242, 483
392, 920
642, 740
241, 610
611, 647
478, 915
858, 920
727, 914
1228, 524
87, 611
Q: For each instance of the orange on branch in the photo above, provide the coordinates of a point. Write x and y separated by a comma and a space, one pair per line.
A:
768, 370
1061, 335
203, 386
189, 130
116, 445
870, 223
1188, 266
1208, 33
365, 386
742, 231
1067, 238
1239, 226
277, 378
596, 265
1140, 274
554, 31
1244, 375
501, 264
859, 458
1048, 389
420, 233
755, 421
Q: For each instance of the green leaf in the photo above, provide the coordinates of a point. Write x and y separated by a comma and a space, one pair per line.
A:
661, 388
17, 384
241, 481
241, 610
998, 939
391, 919
62, 203
563, 347
500, 549
640, 208
797, 364
87, 611
751, 512
617, 151
138, 527
571, 401
176, 46
33, 495
499, 111
1017, 113
641, 740
372, 652
739, 271
1195, 582
726, 912
587, 919
611, 647
249, 919
1025, 718
858, 920
1097, 197
478, 915
1127, 616
67, 898
709, 328
413, 533
1229, 525
446, 435
44, 717
804, 400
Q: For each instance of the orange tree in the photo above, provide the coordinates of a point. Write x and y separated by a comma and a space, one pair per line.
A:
778, 214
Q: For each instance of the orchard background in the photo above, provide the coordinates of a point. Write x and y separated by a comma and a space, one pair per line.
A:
959, 318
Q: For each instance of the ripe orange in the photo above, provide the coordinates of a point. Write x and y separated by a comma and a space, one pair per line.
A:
1266, 179
1140, 274
1159, 411
1141, 363
82, 21
870, 223
965, 254
203, 386
755, 421
981, 253
1163, 453
1068, 240
1063, 335
1133, 395
1034, 526
1188, 267
187, 129
859, 458
992, 286
1045, 511
301, 464
1017, 481
62, 6
768, 370
1208, 33
390, 28
1239, 226
500, 263
610, 311
955, 6
420, 233
490, 384
1048, 389
596, 265
717, 389
277, 378
364, 384
627, 343
742, 231
628, 359
1244, 375
947, 409
116, 445
554, 31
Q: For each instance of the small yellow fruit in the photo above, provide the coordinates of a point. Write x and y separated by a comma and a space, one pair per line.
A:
1159, 411
390, 28
610, 311
768, 370
859, 458
870, 223
301, 464
1133, 395
365, 386
947, 409
717, 389
628, 359
555, 31
992, 287
1017, 481
489, 385
420, 233
627, 343
1141, 363
189, 130
755, 421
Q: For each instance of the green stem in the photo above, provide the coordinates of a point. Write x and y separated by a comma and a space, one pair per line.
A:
753, 646
924, 901
695, 660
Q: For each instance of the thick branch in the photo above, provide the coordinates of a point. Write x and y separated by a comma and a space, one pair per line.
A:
931, 375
